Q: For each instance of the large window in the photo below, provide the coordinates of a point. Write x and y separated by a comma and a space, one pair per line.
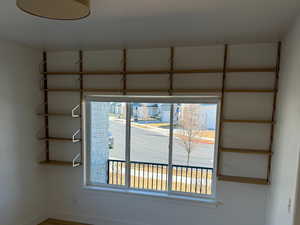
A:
160, 144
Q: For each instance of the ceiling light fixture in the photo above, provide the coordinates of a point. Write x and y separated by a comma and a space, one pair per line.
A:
56, 9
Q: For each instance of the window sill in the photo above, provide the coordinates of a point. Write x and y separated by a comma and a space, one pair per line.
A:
208, 202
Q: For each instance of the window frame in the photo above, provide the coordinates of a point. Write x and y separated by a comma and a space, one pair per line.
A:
148, 99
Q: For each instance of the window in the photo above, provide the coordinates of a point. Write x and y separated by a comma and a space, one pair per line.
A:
158, 144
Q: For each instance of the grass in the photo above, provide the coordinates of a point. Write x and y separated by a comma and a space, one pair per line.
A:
207, 134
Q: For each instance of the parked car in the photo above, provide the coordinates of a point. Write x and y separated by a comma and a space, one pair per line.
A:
110, 140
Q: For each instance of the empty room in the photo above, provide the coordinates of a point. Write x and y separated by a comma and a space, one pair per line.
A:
149, 112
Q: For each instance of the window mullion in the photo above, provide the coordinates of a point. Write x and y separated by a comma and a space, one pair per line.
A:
170, 167
127, 144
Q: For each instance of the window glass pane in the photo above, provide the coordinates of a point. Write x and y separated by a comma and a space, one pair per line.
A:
149, 145
107, 142
193, 147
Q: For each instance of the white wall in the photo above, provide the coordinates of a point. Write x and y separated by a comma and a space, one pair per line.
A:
22, 180
296, 210
286, 146
25, 195
69, 201
243, 204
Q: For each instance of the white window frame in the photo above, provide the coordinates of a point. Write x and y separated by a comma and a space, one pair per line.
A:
148, 99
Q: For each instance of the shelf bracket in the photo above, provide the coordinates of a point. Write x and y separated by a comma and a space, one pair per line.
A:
74, 115
74, 140
75, 162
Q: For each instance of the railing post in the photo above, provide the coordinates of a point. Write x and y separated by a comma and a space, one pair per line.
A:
107, 171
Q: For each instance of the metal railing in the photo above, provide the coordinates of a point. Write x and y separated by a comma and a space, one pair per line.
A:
154, 176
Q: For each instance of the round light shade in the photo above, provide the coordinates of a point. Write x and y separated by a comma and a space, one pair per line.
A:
56, 9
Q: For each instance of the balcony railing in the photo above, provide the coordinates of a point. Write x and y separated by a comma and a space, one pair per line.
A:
154, 176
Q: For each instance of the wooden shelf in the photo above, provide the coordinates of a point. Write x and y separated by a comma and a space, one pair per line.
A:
148, 72
59, 139
59, 114
133, 90
84, 90
57, 163
247, 180
226, 90
62, 89
161, 90
165, 72
101, 90
60, 222
101, 72
250, 90
246, 151
197, 90
247, 121
146, 90
252, 70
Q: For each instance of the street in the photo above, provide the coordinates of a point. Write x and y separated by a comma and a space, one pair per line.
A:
150, 145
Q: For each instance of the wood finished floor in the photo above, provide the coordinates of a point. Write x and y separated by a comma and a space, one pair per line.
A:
60, 222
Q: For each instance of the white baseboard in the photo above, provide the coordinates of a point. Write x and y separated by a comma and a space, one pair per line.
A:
93, 220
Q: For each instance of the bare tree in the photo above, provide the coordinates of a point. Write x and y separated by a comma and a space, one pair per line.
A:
189, 126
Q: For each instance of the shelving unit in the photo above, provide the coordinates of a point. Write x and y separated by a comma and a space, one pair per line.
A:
171, 72
46, 114
268, 151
